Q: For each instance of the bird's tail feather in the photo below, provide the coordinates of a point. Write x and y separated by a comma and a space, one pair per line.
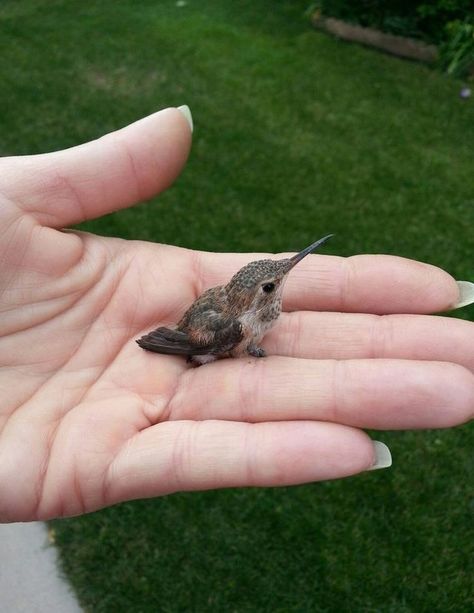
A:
171, 342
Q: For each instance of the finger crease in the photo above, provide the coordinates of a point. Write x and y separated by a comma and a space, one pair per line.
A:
339, 378
249, 384
139, 191
346, 283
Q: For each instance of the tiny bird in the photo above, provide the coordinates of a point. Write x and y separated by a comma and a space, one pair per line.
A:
230, 320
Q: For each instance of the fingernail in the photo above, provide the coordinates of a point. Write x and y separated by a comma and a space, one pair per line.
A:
184, 109
466, 294
383, 457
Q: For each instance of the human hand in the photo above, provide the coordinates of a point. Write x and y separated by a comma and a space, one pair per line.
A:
87, 419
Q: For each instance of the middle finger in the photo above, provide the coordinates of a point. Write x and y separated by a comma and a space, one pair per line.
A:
306, 334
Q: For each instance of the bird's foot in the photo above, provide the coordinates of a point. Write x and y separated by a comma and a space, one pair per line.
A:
256, 352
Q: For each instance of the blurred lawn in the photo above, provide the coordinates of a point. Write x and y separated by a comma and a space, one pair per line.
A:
296, 135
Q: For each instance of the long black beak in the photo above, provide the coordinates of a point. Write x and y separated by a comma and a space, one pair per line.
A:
299, 256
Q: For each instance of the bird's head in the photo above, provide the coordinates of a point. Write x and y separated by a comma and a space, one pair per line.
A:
260, 283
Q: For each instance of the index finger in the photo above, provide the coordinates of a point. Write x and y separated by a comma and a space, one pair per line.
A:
379, 284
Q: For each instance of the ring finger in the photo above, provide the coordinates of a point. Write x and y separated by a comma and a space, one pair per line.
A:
385, 394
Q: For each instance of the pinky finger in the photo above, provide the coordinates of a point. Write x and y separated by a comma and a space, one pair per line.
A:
200, 455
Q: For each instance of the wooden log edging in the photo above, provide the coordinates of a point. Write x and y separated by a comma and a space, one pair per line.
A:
396, 45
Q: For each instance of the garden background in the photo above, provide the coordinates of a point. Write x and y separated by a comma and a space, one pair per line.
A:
296, 135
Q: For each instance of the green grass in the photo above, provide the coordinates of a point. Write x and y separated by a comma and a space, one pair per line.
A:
296, 135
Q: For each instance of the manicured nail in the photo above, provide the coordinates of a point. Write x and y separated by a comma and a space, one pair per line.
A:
466, 294
184, 109
383, 457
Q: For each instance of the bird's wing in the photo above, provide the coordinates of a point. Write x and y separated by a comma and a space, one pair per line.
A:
212, 333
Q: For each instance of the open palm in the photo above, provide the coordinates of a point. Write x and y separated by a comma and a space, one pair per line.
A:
88, 419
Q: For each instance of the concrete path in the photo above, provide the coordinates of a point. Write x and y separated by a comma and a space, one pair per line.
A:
29, 577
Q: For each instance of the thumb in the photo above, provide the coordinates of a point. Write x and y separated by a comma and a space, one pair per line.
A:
110, 173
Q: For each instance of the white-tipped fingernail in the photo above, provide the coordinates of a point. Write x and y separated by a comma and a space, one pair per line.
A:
466, 294
185, 110
383, 457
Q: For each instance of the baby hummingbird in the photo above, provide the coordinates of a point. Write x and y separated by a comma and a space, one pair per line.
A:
230, 320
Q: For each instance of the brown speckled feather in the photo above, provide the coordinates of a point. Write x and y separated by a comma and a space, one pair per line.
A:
211, 330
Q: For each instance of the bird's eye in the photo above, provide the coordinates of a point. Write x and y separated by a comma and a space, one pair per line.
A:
268, 288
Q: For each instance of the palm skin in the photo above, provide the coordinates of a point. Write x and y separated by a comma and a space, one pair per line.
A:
87, 419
